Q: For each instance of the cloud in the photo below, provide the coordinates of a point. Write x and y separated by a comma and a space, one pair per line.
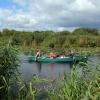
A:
4, 13
20, 2
51, 14
82, 5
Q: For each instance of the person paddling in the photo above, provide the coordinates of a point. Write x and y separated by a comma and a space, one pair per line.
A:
72, 54
38, 54
52, 55
62, 56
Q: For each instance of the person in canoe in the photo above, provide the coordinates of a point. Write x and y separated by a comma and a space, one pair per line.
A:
62, 56
71, 54
38, 54
52, 55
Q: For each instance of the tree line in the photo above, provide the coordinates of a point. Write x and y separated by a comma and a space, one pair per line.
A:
81, 37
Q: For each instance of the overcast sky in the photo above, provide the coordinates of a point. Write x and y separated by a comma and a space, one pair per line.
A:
49, 14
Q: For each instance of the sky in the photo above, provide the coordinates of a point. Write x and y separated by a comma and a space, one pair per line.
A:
57, 15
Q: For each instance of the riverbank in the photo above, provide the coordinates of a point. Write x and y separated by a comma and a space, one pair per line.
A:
90, 51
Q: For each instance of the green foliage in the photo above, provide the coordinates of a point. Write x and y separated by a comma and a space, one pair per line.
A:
78, 87
79, 38
86, 31
8, 61
0, 34
8, 67
64, 33
38, 37
7, 32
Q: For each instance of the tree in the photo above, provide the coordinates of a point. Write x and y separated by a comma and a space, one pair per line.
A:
85, 31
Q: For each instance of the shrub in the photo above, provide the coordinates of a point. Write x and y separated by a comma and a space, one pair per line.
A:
8, 67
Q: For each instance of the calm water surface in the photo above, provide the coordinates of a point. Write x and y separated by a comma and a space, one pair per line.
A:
27, 70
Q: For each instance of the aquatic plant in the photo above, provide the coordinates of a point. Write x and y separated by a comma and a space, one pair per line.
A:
78, 87
8, 67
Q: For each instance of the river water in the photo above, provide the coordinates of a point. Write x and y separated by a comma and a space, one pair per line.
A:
28, 70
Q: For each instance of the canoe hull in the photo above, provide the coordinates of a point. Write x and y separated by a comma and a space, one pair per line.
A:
56, 60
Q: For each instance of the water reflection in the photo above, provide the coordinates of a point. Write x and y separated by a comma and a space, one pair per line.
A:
27, 70
39, 67
50, 69
52, 66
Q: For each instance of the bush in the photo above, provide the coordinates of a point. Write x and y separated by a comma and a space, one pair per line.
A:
8, 67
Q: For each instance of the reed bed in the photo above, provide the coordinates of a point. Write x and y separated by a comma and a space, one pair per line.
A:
77, 85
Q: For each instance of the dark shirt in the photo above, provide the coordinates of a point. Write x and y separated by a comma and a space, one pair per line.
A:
71, 55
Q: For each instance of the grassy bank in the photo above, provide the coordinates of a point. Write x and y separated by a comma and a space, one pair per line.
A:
79, 50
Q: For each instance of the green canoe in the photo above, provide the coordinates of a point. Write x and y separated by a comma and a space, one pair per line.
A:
58, 59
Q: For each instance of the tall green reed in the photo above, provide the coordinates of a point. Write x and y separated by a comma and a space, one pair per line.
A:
8, 67
78, 86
